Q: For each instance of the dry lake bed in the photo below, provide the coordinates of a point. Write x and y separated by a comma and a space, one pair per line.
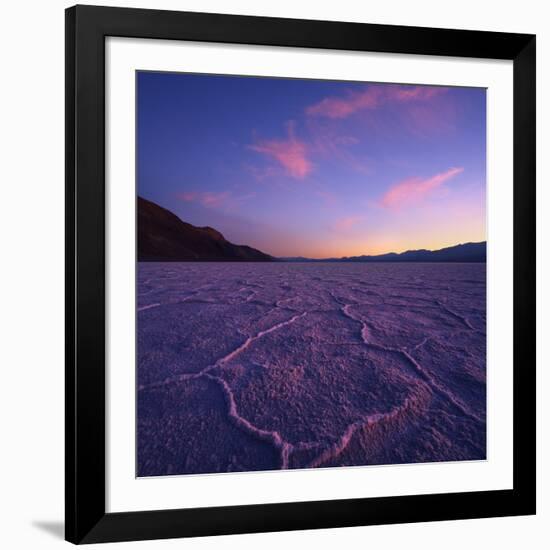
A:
262, 366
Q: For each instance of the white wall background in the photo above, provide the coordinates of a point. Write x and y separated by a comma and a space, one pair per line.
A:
31, 273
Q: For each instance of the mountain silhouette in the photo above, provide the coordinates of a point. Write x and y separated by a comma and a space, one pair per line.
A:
467, 252
163, 237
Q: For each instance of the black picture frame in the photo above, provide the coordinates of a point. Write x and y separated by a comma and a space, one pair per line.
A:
86, 29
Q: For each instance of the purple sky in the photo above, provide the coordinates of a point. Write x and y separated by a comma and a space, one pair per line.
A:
315, 168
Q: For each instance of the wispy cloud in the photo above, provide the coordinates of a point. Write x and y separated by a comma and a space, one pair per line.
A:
213, 199
327, 197
290, 153
413, 189
206, 198
371, 97
423, 120
328, 141
261, 173
405, 94
346, 223
341, 107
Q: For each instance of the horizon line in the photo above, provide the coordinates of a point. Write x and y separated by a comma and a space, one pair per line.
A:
297, 257
391, 252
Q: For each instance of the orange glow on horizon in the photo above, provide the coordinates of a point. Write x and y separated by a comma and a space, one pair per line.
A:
335, 250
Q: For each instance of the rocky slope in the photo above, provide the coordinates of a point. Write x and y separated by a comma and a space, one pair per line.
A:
162, 236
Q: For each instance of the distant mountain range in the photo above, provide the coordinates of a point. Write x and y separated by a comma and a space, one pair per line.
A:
467, 252
163, 237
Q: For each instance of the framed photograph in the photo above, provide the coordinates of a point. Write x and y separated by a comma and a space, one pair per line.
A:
300, 274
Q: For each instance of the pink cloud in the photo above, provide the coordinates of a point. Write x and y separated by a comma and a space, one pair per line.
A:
413, 93
371, 98
225, 200
328, 198
346, 223
261, 173
210, 199
290, 153
422, 119
414, 189
328, 141
337, 107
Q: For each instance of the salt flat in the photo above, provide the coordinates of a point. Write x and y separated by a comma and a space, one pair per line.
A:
261, 366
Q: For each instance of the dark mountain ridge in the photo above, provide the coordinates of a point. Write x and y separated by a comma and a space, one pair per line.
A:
466, 252
163, 237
